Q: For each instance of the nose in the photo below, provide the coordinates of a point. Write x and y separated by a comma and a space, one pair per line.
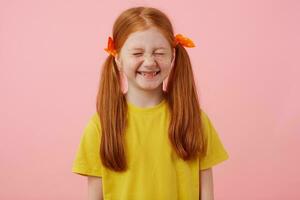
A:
149, 60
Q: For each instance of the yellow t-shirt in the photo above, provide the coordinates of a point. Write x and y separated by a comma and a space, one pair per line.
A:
155, 171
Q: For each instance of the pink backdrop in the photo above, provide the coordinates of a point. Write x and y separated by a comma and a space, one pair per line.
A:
246, 65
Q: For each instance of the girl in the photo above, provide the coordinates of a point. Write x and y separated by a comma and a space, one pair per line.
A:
148, 143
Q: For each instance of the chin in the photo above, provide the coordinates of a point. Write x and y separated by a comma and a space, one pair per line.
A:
151, 87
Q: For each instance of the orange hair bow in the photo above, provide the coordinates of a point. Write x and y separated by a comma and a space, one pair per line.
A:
184, 41
111, 47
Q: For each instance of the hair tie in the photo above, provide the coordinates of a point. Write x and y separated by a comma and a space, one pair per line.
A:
111, 47
184, 41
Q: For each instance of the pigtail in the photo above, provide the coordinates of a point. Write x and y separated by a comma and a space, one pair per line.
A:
185, 127
112, 109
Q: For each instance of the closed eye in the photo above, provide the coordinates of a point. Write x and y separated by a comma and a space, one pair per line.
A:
138, 54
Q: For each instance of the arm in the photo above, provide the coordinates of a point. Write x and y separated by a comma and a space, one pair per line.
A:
95, 188
207, 188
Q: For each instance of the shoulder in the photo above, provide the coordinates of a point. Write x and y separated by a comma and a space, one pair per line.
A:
95, 118
204, 118
206, 123
203, 113
94, 122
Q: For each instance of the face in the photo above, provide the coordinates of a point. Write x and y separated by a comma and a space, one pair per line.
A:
146, 59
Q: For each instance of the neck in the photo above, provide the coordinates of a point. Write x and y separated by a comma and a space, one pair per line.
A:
142, 98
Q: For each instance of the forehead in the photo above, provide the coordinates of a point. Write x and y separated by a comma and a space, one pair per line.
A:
150, 38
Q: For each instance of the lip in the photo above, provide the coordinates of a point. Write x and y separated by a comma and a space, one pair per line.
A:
149, 71
140, 72
147, 78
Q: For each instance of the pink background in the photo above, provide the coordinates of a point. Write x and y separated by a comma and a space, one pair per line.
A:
246, 65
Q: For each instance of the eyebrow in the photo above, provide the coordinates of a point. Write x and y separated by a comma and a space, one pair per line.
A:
143, 49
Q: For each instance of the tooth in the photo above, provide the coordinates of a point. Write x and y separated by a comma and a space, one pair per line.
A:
148, 73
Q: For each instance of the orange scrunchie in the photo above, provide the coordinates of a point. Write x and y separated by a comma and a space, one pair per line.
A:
179, 39
111, 47
184, 41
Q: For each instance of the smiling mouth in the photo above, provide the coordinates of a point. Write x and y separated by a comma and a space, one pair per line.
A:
149, 75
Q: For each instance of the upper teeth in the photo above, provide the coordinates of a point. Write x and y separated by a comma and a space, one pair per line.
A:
153, 73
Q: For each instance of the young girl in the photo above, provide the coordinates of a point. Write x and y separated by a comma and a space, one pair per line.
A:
148, 143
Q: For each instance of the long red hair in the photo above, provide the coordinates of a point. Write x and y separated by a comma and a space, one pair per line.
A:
185, 129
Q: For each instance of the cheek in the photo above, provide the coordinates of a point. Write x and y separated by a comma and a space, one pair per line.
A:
164, 62
130, 67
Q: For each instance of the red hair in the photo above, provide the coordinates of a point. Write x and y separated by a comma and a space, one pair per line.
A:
185, 129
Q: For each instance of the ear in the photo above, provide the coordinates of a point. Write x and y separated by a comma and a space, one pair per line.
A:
117, 60
173, 58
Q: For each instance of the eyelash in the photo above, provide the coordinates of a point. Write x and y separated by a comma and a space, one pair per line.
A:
136, 54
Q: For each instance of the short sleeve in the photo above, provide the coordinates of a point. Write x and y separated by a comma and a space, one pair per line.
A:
87, 159
215, 151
